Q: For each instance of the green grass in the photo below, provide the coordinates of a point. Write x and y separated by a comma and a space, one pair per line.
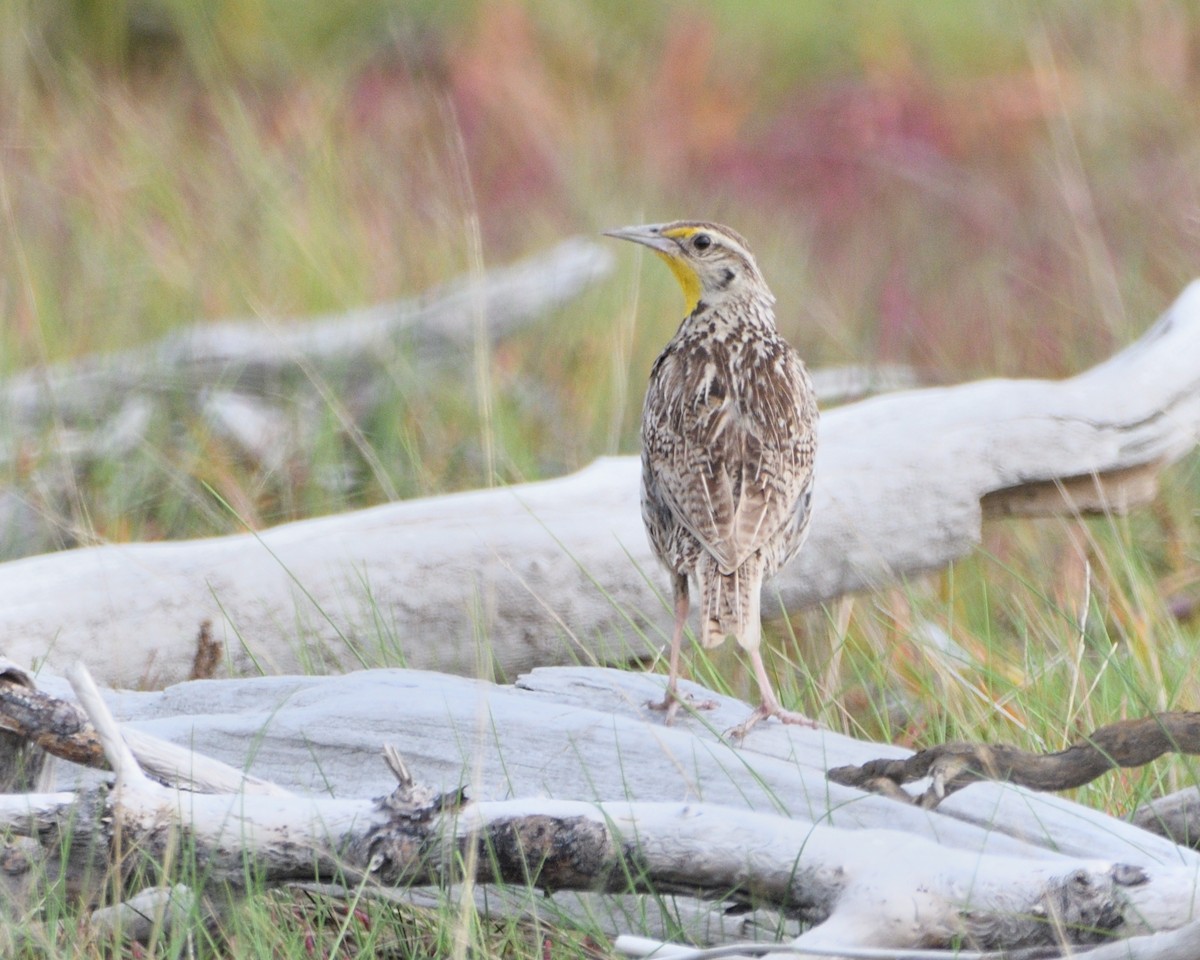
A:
974, 189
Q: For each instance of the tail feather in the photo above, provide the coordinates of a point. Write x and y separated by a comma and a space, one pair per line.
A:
729, 602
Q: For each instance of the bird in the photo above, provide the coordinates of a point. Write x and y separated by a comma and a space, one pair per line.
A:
729, 436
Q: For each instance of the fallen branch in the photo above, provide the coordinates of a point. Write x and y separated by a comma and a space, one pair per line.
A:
561, 571
1180, 944
770, 831
245, 355
579, 733
1175, 816
34, 719
855, 887
952, 766
257, 383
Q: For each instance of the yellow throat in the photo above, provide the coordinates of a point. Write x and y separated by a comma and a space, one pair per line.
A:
689, 280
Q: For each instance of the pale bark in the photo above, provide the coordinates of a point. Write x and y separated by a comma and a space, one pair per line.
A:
260, 384
584, 734
903, 886
560, 571
246, 353
1176, 816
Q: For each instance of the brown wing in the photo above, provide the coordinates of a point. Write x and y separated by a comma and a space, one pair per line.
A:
735, 434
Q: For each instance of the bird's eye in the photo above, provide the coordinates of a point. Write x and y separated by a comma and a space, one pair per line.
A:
702, 242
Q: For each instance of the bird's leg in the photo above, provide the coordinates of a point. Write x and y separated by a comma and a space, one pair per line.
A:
671, 700
770, 705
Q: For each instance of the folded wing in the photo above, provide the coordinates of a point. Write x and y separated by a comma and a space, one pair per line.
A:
737, 437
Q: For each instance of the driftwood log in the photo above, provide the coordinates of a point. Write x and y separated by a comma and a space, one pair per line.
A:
259, 383
573, 787
560, 571
246, 355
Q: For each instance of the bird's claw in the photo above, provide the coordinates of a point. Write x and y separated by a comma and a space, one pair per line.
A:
670, 704
765, 711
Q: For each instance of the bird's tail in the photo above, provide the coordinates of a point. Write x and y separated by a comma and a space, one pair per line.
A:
729, 602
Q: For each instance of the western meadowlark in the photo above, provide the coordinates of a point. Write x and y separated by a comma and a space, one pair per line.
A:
729, 430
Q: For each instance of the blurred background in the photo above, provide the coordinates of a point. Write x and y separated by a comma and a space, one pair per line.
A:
970, 188
966, 188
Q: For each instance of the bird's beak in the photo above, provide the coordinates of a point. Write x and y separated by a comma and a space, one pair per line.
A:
650, 235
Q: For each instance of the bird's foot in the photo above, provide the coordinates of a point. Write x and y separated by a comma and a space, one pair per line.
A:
770, 710
670, 704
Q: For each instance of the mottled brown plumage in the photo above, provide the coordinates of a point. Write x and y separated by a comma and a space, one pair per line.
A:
728, 439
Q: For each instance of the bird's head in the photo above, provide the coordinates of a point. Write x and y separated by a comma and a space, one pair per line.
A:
711, 262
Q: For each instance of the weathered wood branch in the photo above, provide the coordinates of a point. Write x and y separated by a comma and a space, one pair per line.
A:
560, 571
578, 733
1175, 816
855, 887
1180, 944
952, 766
32, 718
258, 383
576, 738
245, 354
